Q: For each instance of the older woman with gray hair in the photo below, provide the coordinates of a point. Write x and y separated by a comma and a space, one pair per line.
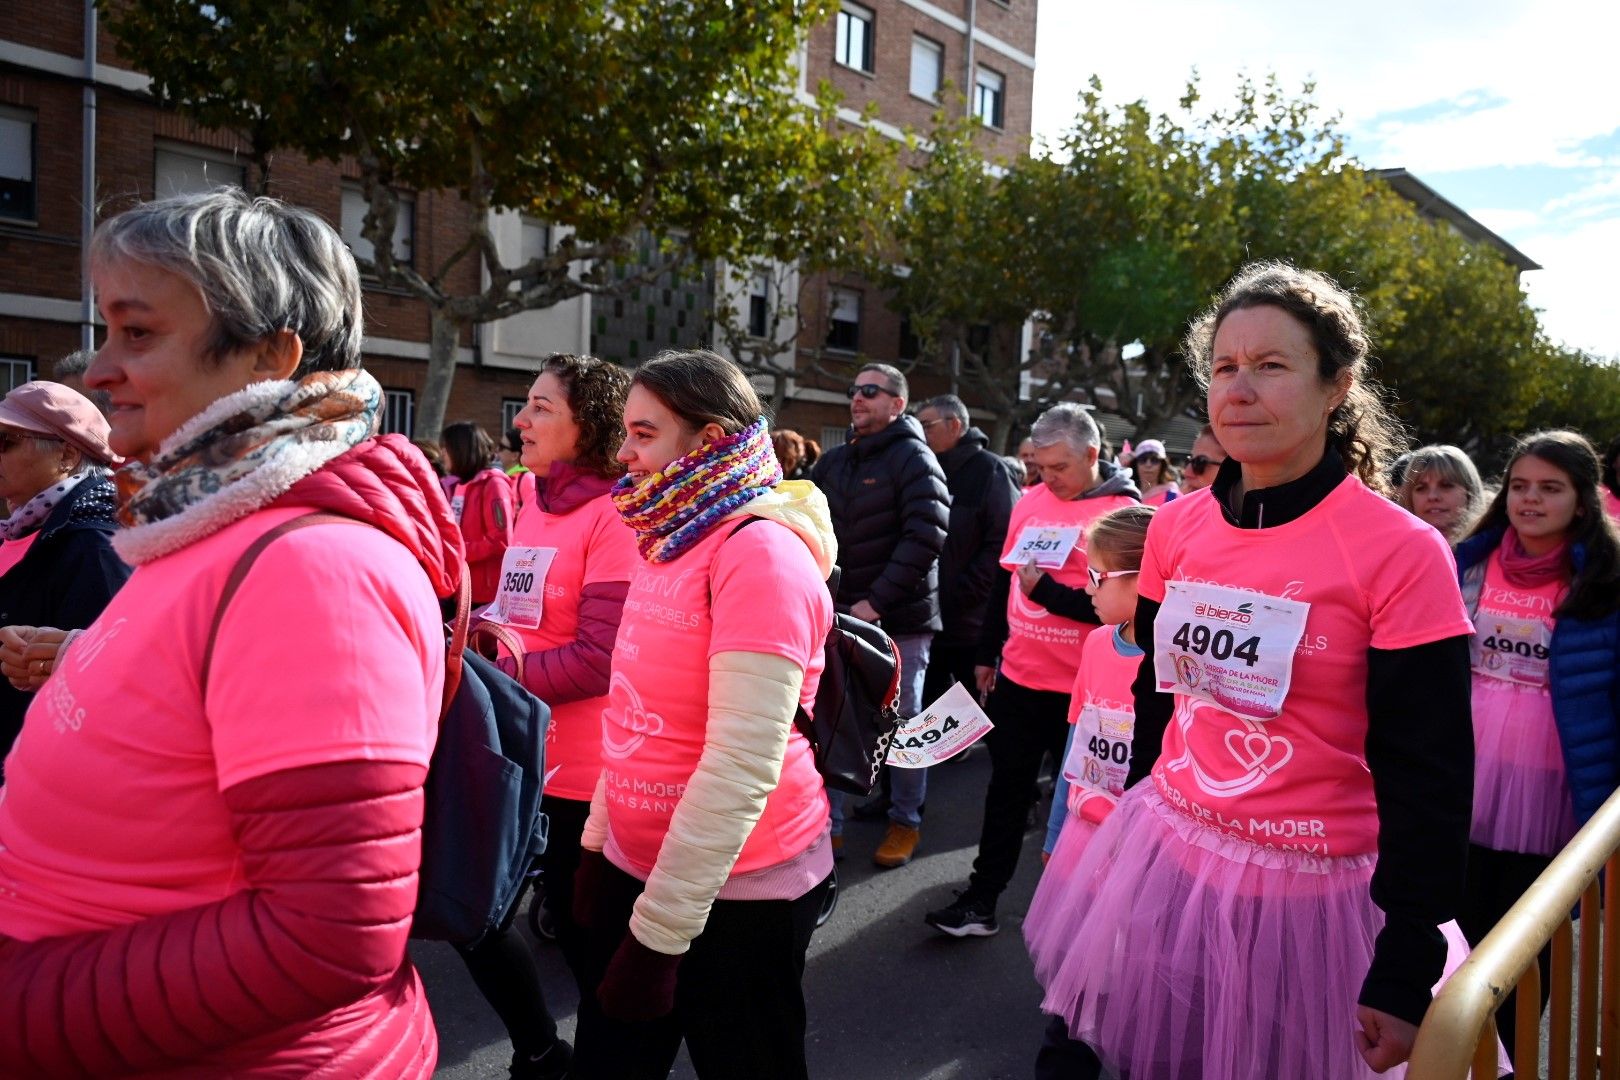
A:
1442, 487
56, 547
215, 802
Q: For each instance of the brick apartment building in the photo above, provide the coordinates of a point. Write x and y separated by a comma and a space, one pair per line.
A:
80, 136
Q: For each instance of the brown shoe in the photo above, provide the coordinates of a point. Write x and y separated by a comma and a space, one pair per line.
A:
899, 844
838, 848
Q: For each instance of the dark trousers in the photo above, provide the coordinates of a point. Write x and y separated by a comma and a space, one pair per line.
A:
1029, 724
504, 969
1063, 1058
1496, 880
739, 1003
557, 867
947, 664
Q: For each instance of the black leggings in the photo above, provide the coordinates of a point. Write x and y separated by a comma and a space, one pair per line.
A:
1496, 880
505, 971
739, 1002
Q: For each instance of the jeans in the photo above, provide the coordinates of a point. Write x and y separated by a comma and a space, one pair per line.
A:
907, 787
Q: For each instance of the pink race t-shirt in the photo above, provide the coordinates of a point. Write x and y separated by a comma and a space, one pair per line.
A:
593, 545
1101, 700
1042, 649
1371, 576
12, 551
756, 591
331, 650
1611, 502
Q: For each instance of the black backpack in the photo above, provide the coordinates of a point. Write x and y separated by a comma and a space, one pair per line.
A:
856, 707
481, 827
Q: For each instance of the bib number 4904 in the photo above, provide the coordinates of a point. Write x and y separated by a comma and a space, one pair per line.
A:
1221, 644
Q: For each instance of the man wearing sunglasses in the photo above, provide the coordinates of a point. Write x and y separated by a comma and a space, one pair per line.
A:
889, 508
1205, 462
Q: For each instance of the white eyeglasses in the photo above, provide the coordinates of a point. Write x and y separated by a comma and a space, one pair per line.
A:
1097, 579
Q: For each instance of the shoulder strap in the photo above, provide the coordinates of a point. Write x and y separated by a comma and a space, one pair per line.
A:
239, 573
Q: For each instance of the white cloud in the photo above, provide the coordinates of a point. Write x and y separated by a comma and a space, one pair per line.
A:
1578, 287
1503, 220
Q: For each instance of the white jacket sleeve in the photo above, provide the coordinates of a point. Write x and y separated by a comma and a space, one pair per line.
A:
752, 699
594, 838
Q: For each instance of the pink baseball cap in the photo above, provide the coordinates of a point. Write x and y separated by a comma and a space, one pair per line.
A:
1149, 448
49, 408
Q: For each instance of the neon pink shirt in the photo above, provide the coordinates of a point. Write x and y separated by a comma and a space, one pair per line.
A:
1103, 680
1162, 496
12, 551
767, 597
1042, 649
1374, 577
112, 810
593, 545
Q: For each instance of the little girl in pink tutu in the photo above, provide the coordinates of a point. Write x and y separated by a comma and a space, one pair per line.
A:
1102, 715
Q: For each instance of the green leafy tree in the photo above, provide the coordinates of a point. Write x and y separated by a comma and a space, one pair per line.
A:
1119, 238
610, 121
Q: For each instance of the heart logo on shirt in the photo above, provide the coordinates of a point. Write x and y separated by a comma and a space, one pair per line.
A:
621, 740
1257, 751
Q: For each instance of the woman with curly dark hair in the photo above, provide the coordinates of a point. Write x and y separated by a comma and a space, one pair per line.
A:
565, 599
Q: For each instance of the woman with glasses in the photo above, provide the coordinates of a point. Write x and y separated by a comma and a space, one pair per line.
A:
1207, 457
1155, 476
58, 539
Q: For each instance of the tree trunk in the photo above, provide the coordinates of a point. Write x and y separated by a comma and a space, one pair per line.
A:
445, 342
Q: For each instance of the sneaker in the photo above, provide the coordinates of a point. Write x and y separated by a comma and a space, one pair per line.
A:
838, 849
899, 844
966, 916
553, 1063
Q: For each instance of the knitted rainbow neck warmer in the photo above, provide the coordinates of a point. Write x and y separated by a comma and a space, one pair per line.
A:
672, 510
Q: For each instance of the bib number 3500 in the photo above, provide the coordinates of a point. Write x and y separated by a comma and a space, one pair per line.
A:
1232, 648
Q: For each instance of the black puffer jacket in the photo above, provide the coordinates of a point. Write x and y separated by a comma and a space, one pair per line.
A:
889, 506
982, 496
64, 580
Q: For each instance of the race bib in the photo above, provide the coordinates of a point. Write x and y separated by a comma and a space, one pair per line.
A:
1100, 755
522, 596
1048, 546
943, 730
1512, 648
458, 503
1232, 648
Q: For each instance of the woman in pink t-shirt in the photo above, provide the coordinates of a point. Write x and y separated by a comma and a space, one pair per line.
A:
216, 807
1270, 902
1540, 573
708, 849
484, 502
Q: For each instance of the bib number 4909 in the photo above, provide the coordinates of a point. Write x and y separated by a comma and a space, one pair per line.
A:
1221, 644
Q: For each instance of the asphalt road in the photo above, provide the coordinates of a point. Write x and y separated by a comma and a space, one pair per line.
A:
888, 998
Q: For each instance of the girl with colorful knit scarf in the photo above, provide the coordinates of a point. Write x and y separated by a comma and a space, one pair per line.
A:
707, 852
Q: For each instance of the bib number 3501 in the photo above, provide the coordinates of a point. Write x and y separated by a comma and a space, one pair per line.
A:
1232, 648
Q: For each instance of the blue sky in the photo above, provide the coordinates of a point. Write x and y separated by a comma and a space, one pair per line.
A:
1508, 108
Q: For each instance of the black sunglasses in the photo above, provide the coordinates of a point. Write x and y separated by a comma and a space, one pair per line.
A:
869, 391
1198, 463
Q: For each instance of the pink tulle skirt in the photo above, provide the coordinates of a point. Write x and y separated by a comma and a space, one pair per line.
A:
1180, 952
1521, 791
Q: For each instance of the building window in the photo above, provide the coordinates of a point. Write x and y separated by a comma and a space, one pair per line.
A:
399, 413
354, 216
510, 407
989, 97
910, 344
14, 371
759, 304
844, 320
187, 170
17, 187
833, 436
927, 67
854, 45
536, 241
